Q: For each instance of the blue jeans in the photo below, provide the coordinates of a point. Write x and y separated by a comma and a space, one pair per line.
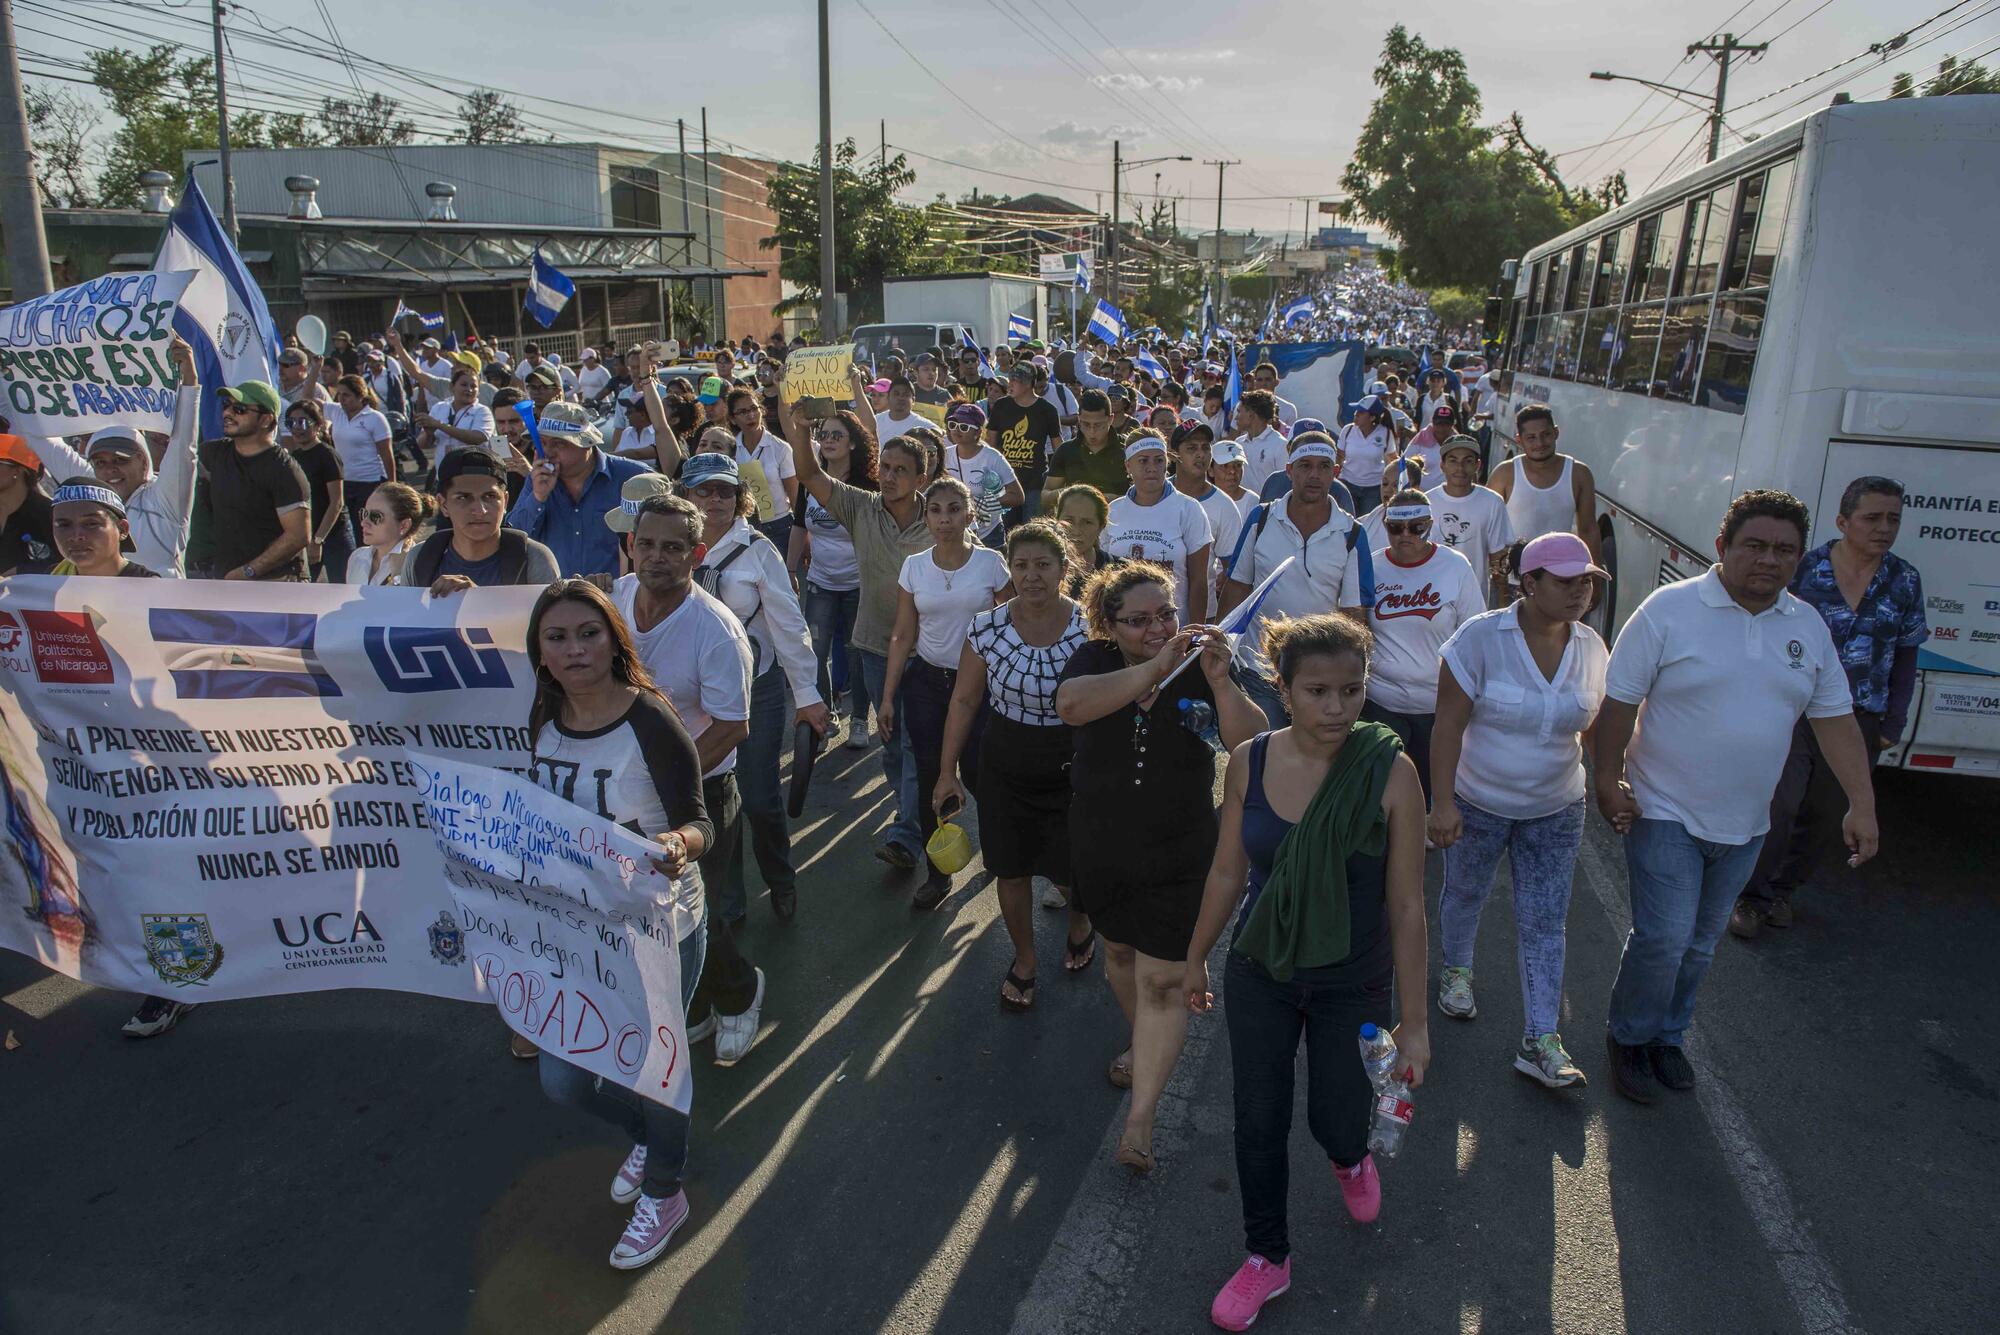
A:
758, 758
1365, 499
662, 1130
1543, 853
830, 617
899, 762
1683, 890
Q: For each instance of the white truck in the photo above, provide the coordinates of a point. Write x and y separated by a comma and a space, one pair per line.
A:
936, 310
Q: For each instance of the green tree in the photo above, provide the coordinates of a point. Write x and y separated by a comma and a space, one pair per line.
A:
166, 107
59, 123
1952, 78
874, 236
486, 117
369, 122
1460, 195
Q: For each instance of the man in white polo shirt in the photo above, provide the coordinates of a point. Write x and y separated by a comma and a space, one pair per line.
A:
1332, 570
1713, 673
1263, 444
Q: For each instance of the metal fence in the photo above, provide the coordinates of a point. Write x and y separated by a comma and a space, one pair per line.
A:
567, 346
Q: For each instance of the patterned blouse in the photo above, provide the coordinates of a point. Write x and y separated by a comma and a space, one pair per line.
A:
1890, 617
1021, 678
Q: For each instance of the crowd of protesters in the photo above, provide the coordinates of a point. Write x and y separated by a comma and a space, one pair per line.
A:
1021, 560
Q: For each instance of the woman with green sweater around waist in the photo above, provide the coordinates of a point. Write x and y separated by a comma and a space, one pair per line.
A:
1322, 846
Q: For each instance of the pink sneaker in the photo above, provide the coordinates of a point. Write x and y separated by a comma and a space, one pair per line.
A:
652, 1227
1253, 1285
631, 1176
1361, 1189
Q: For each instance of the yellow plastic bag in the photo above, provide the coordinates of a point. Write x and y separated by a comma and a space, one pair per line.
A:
949, 848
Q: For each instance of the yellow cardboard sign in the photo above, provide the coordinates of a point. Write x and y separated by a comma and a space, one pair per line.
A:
819, 373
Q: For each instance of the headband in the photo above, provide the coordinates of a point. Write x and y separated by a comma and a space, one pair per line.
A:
1407, 512
1315, 449
1141, 444
92, 492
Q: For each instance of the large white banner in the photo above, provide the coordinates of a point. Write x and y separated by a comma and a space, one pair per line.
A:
91, 356
559, 913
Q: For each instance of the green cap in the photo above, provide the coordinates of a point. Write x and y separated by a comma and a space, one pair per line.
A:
712, 389
255, 393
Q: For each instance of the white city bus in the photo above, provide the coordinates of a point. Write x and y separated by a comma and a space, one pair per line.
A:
1821, 304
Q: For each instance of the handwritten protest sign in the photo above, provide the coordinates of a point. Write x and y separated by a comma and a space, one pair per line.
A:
560, 920
819, 373
92, 356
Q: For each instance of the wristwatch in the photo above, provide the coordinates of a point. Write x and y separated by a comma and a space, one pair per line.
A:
249, 570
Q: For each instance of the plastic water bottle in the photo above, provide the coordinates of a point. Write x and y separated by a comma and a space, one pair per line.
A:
1393, 1106
1197, 716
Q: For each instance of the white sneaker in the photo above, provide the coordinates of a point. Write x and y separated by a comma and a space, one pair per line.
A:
1053, 897
631, 1176
1455, 994
155, 1016
735, 1033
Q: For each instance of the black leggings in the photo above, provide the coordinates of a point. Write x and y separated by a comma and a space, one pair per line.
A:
1266, 1018
1415, 730
923, 701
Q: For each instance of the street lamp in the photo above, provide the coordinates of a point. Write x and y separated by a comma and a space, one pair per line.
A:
1118, 169
1688, 95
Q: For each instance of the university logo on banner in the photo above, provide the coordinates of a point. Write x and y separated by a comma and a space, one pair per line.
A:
414, 659
181, 947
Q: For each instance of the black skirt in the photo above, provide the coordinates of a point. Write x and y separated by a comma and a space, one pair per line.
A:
1024, 797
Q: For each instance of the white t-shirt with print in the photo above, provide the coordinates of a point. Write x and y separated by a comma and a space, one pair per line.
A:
1168, 532
988, 474
699, 655
947, 600
1474, 525
1416, 610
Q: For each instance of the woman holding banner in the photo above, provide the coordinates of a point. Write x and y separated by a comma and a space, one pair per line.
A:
598, 712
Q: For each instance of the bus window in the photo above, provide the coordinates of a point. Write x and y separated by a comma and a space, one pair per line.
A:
1666, 253
1707, 230
1613, 266
1583, 277
1742, 231
1643, 250
1632, 352
1558, 271
1770, 224
1681, 338
1537, 287
1593, 352
1732, 352
1563, 357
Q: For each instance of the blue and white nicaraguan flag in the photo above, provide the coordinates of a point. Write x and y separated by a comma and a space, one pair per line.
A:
222, 314
1150, 364
1083, 270
1020, 327
1107, 322
1298, 308
985, 367
403, 313
549, 290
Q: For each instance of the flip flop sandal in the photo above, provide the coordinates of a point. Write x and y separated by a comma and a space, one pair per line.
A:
1025, 987
1134, 1158
1120, 1074
1078, 955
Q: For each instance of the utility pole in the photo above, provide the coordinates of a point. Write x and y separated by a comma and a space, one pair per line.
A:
1221, 294
827, 296
718, 302
1721, 52
20, 196
885, 145
222, 127
687, 217
1111, 246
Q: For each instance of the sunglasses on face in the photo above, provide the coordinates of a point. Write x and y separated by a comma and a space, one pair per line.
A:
298, 424
1166, 616
374, 516
1415, 528
829, 437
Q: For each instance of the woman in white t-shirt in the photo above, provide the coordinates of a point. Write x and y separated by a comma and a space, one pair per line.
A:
597, 712
362, 439
942, 589
1518, 689
1423, 592
1367, 446
984, 471
1154, 522
822, 551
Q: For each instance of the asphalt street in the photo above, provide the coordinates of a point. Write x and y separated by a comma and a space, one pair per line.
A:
898, 1154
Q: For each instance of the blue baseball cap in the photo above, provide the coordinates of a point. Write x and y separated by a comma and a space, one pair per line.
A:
1305, 424
710, 467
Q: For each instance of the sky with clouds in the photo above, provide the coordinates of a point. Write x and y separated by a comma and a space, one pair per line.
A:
1014, 96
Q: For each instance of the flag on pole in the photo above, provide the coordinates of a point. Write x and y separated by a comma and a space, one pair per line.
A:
549, 290
1083, 270
1018, 327
1107, 322
403, 313
1238, 623
985, 367
1232, 389
1299, 308
1270, 319
1150, 364
1207, 319
222, 315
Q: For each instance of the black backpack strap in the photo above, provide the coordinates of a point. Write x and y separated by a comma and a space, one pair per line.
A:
513, 554
429, 557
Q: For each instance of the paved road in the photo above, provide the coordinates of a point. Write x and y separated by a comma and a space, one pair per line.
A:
898, 1155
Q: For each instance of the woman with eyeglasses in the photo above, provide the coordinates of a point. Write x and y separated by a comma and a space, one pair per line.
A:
1423, 592
1142, 809
390, 520
941, 591
822, 559
329, 542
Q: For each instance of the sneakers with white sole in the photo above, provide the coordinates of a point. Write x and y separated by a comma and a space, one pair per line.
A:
155, 1016
631, 1175
735, 1033
652, 1227
1455, 994
1543, 1058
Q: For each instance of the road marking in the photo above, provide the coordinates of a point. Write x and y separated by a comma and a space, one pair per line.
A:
1080, 1286
1814, 1290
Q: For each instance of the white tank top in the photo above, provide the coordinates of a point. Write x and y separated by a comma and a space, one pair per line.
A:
1535, 510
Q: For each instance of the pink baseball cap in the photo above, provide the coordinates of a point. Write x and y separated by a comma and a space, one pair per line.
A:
1561, 554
